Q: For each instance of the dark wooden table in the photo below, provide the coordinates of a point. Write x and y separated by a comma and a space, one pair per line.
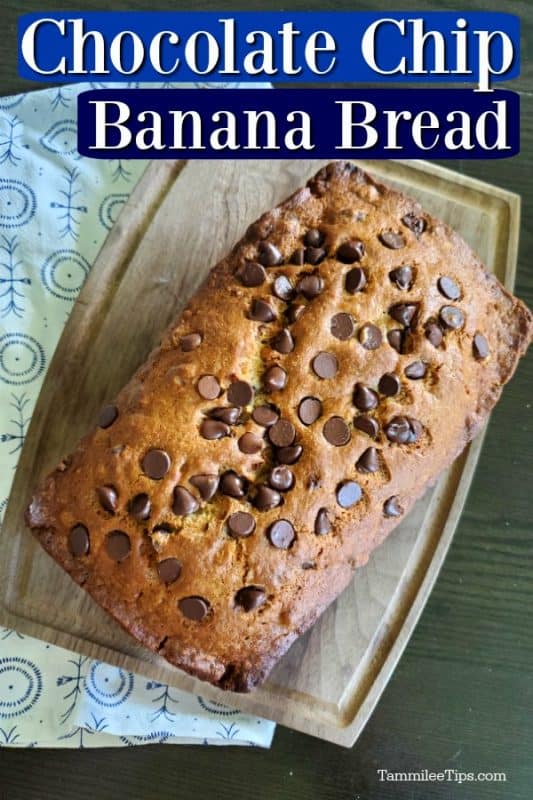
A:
462, 695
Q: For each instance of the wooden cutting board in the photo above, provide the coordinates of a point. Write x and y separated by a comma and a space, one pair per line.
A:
180, 219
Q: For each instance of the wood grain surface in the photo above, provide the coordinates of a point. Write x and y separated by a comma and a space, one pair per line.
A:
159, 251
462, 694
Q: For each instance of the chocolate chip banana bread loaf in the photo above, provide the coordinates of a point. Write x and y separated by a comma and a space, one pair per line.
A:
331, 366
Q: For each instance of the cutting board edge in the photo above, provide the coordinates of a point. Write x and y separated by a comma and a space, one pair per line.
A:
347, 734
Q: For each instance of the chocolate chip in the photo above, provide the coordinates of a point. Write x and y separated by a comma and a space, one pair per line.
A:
351, 251
214, 429
274, 379
261, 311
322, 523
449, 288
367, 425
308, 565
480, 347
336, 432
404, 313
283, 342
314, 255
282, 288
281, 534
402, 277
403, 430
140, 506
314, 238
392, 507
396, 339
298, 257
370, 336
325, 365
355, 280
415, 370
433, 333
310, 286
240, 393
117, 545
251, 274
194, 608
184, 502
342, 326
282, 433
265, 416
289, 455
108, 415
392, 240
240, 525
249, 598
108, 497
281, 478
348, 494
269, 255
369, 461
228, 414
389, 384
249, 443
364, 398
232, 485
415, 224
260, 229
309, 410
207, 485
208, 387
156, 464
190, 342
452, 317
78, 540
266, 498
294, 313
169, 570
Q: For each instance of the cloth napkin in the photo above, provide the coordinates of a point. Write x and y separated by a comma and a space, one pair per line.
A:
56, 208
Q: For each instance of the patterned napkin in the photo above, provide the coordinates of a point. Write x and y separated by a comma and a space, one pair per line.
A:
56, 208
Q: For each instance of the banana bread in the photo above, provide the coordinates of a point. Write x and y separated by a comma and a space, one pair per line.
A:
330, 367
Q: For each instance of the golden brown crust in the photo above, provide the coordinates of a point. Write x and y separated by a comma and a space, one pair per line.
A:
238, 641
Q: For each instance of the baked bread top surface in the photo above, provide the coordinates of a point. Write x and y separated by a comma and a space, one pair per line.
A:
330, 367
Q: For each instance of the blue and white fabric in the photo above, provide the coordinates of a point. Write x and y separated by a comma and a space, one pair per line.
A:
56, 208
